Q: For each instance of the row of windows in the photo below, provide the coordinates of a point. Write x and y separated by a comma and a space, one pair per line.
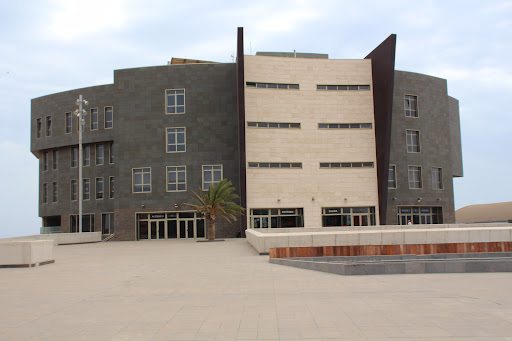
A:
273, 125
176, 178
344, 125
414, 174
272, 85
108, 122
100, 188
346, 164
107, 223
343, 87
99, 155
86, 189
275, 165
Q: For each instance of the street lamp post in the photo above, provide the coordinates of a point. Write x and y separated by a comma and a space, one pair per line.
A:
80, 113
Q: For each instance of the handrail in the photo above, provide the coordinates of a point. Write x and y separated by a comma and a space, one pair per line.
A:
106, 239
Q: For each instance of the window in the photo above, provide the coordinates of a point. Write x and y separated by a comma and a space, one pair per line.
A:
55, 159
74, 157
275, 165
437, 178
45, 193
38, 128
87, 155
107, 223
55, 192
273, 125
344, 125
176, 179
74, 190
175, 140
276, 218
111, 187
68, 122
94, 118
346, 164
212, 174
343, 87
87, 223
411, 106
100, 155
415, 177
99, 188
48, 126
109, 118
420, 215
87, 189
392, 176
111, 153
272, 85
348, 216
413, 141
45, 161
175, 101
141, 180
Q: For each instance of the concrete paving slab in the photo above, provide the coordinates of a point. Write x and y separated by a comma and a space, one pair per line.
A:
184, 290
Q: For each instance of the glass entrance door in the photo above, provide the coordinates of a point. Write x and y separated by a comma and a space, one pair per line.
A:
187, 229
157, 229
170, 225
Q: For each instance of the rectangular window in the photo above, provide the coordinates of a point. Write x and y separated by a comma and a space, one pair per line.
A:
87, 223
55, 192
276, 218
272, 85
45, 193
275, 165
38, 128
48, 126
413, 141
109, 118
415, 177
175, 101
343, 87
411, 106
346, 164
111, 187
141, 179
437, 178
111, 153
87, 156
212, 174
74, 190
176, 179
87, 189
45, 161
99, 188
74, 157
100, 155
55, 159
348, 216
175, 140
344, 125
107, 223
273, 125
68, 122
392, 176
94, 118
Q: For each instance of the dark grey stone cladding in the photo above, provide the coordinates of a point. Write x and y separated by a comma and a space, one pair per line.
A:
439, 146
56, 106
138, 99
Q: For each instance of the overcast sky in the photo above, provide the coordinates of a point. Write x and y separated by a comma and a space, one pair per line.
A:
53, 46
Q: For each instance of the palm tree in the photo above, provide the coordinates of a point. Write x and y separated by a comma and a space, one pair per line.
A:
217, 203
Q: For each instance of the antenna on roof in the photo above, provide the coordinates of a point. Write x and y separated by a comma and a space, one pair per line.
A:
294, 54
232, 58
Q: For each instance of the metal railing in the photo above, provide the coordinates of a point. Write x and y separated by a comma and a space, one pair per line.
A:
50, 229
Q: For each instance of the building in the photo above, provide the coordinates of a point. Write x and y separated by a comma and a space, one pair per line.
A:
500, 212
306, 140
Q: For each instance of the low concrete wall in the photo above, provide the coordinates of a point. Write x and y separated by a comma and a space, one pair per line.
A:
26, 253
262, 241
61, 238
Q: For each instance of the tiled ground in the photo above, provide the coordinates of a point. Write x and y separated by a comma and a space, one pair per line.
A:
173, 290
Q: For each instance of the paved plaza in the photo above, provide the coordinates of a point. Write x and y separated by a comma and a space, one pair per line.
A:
186, 290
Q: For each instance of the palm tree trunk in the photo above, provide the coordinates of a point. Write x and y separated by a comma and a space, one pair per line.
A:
211, 229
